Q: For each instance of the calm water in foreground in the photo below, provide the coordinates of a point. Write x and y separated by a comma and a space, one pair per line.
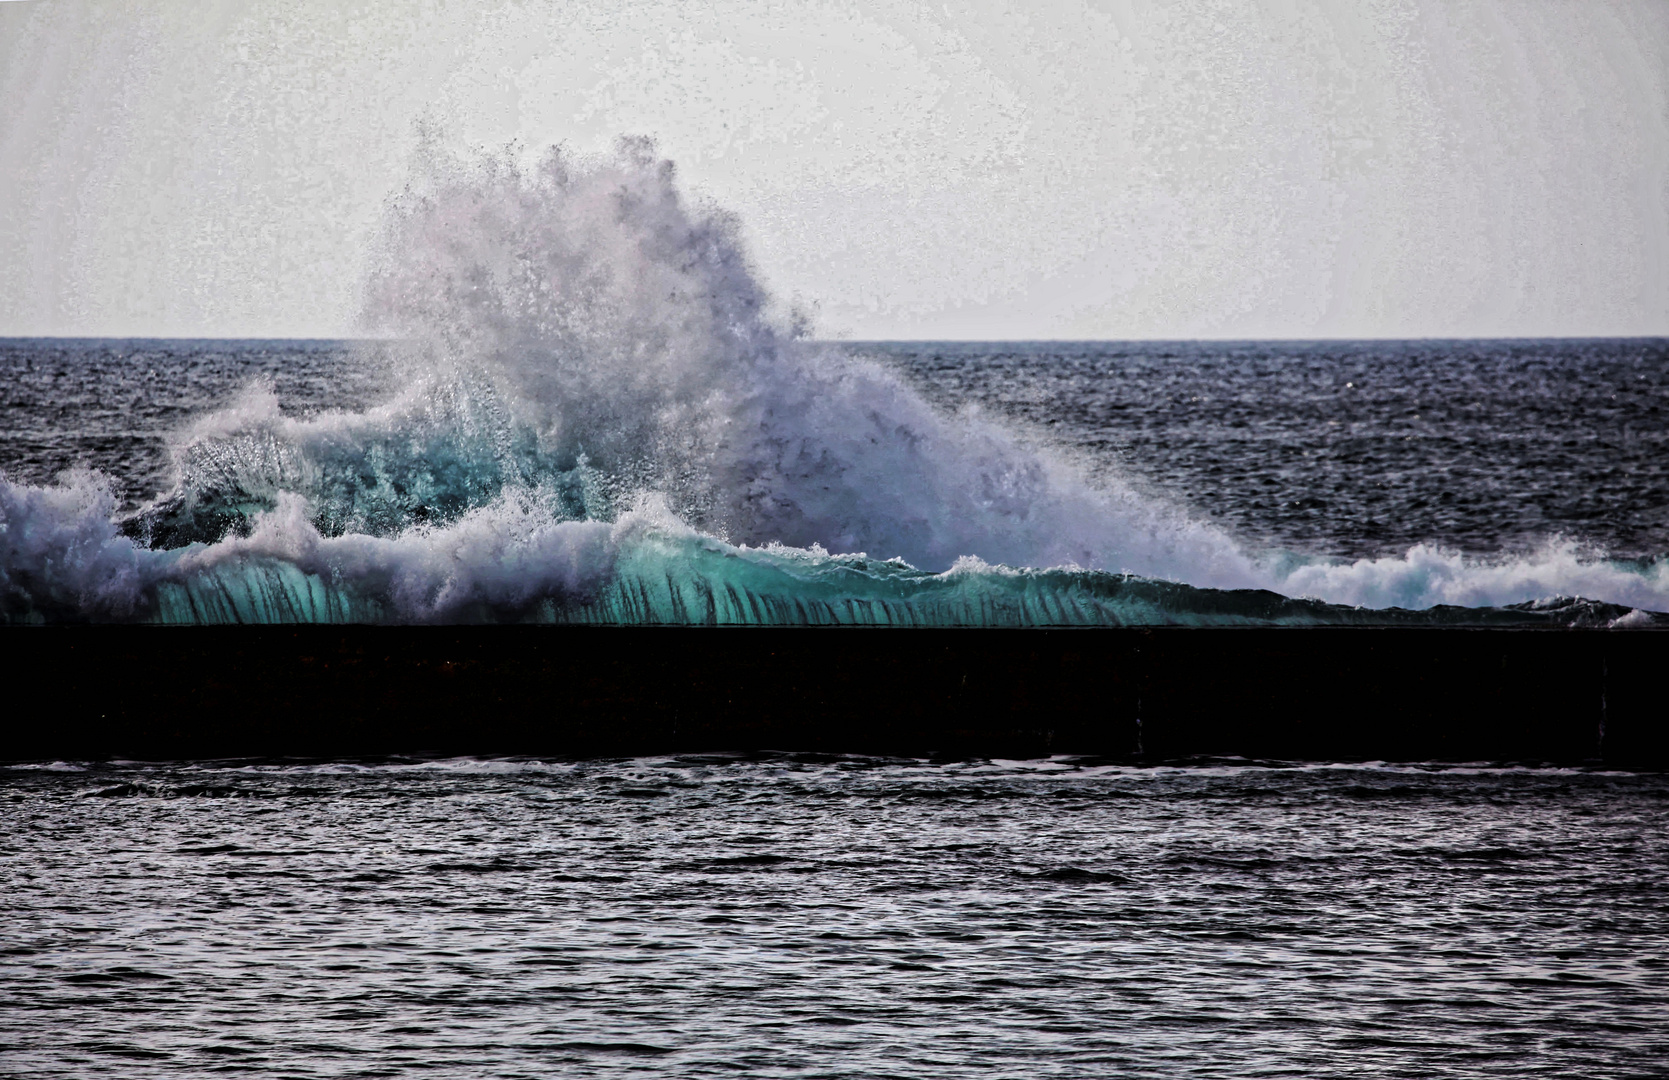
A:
831, 917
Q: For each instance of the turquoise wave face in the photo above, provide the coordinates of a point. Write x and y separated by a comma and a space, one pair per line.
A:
697, 581
521, 559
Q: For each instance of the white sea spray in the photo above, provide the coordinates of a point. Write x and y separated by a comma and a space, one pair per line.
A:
602, 416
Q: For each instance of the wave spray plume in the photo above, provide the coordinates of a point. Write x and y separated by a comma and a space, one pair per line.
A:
602, 417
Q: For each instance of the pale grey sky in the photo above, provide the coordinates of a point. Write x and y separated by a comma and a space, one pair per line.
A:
1086, 168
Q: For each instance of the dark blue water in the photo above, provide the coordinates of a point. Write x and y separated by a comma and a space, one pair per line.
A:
831, 918
1353, 448
114, 405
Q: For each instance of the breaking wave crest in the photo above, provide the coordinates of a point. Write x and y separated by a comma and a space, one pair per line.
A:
602, 418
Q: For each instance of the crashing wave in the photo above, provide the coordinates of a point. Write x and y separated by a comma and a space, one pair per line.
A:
602, 419
514, 560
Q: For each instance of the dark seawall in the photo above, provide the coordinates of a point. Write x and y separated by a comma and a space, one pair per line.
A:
1136, 694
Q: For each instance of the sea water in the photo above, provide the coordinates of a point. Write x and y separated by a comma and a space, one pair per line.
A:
831, 917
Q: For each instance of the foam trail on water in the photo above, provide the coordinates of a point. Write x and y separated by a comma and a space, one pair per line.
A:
602, 418
1427, 576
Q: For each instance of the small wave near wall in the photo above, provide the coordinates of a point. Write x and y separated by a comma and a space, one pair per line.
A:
602, 417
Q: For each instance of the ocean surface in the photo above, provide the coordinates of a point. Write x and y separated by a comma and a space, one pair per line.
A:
830, 917
1010, 483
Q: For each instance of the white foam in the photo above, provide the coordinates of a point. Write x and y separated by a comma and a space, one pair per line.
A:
61, 553
1428, 576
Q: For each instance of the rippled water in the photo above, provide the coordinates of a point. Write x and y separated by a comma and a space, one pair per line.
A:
1358, 448
831, 917
112, 405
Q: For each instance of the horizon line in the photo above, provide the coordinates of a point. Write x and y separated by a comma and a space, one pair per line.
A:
350, 339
